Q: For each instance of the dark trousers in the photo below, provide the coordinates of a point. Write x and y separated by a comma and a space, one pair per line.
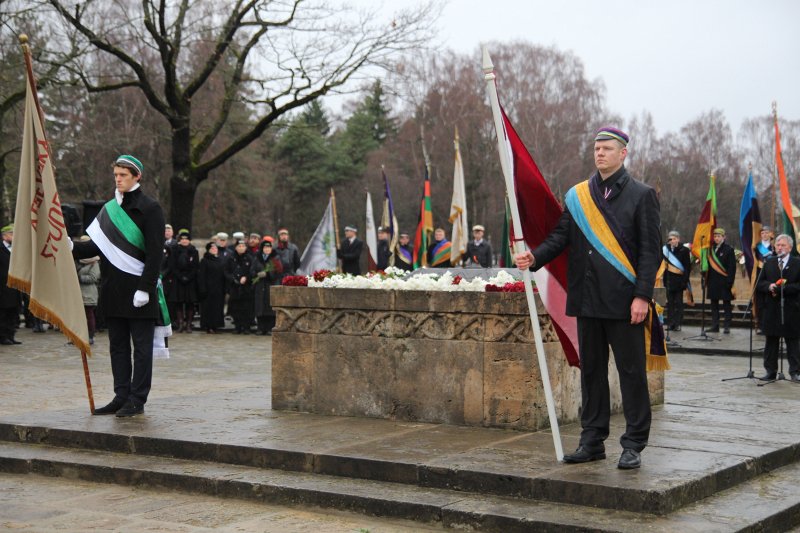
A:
90, 319
265, 323
727, 309
792, 354
8, 322
627, 341
131, 381
675, 307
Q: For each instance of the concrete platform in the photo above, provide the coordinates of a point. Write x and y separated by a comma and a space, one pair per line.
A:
723, 456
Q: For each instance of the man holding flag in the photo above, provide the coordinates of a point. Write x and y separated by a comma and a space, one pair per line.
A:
128, 234
721, 275
611, 226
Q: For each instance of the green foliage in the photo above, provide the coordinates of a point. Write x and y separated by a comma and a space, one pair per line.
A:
368, 127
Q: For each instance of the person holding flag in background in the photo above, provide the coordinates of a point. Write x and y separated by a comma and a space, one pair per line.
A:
128, 234
676, 277
721, 275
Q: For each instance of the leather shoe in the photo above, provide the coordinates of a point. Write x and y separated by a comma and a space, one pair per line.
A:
715, 329
109, 409
629, 459
726, 331
6, 342
582, 455
130, 409
769, 376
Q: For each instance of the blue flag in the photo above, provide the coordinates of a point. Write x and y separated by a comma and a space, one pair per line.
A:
749, 224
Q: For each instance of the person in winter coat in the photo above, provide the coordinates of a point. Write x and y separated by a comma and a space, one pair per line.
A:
240, 289
184, 264
211, 289
89, 278
288, 253
267, 270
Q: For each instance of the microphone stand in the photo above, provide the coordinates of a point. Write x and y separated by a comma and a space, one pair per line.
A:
750, 374
703, 336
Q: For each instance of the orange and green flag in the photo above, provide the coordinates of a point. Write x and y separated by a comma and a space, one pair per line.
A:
703, 234
787, 213
424, 235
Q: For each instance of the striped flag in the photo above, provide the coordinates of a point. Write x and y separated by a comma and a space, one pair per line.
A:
458, 210
749, 224
703, 233
539, 212
388, 218
787, 212
424, 233
41, 260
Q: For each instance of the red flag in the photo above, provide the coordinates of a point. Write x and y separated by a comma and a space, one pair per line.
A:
539, 212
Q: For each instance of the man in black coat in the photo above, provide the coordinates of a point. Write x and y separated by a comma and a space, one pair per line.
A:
780, 284
384, 251
479, 251
676, 277
350, 251
9, 298
721, 274
610, 308
288, 254
763, 251
129, 276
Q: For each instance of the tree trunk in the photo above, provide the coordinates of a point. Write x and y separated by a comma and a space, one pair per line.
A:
182, 184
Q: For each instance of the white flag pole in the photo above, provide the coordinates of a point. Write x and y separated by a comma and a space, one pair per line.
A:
519, 247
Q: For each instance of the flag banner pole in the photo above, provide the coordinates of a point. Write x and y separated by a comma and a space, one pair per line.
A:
88, 381
336, 230
519, 247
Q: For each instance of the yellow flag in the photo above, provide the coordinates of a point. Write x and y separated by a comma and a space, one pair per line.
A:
41, 258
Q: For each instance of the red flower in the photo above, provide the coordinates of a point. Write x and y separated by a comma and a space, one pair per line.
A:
457, 280
321, 274
780, 282
516, 286
295, 281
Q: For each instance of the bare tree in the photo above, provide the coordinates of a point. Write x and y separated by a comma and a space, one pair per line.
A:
269, 57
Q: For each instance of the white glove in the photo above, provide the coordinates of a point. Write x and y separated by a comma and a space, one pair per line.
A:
71, 244
140, 298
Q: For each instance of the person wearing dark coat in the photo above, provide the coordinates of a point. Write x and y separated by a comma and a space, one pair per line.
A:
479, 251
10, 299
404, 254
267, 270
184, 263
211, 289
240, 289
780, 283
676, 278
129, 301
384, 252
610, 307
350, 251
763, 251
288, 253
721, 275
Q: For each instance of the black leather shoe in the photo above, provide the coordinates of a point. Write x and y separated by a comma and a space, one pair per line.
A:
676, 328
770, 376
6, 342
15, 341
629, 459
130, 409
714, 329
582, 455
109, 409
726, 331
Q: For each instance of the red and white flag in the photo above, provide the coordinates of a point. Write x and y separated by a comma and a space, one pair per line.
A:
539, 212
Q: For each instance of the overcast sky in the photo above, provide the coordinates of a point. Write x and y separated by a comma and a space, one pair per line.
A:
675, 59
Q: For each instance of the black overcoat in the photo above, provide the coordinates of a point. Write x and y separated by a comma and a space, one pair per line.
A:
261, 285
479, 254
184, 264
350, 254
595, 288
117, 287
791, 299
240, 301
9, 298
719, 286
677, 282
211, 288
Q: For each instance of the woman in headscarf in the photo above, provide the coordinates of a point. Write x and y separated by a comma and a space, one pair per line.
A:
240, 302
211, 285
267, 270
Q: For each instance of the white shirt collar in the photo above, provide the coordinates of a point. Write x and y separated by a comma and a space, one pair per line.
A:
119, 196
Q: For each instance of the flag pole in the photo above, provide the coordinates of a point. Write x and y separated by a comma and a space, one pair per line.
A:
26, 52
774, 174
519, 247
336, 229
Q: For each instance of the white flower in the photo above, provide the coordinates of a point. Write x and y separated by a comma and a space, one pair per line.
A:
421, 282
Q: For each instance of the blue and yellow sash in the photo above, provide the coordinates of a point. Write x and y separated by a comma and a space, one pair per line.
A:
589, 210
404, 255
674, 264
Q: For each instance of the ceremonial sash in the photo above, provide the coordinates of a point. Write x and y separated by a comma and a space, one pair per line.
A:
601, 230
441, 253
404, 255
674, 264
763, 252
122, 243
716, 264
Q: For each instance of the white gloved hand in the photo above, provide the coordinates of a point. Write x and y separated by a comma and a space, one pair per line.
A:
140, 298
71, 244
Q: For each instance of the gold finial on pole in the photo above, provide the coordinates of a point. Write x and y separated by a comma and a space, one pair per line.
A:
23, 39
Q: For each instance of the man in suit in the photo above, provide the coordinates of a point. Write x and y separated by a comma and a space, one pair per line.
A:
350, 251
479, 251
764, 250
610, 305
780, 284
9, 298
676, 277
128, 235
721, 274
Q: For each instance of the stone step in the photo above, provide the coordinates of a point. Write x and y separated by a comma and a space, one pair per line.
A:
703, 471
770, 502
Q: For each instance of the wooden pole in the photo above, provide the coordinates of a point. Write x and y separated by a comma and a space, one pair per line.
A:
336, 230
519, 247
774, 173
88, 381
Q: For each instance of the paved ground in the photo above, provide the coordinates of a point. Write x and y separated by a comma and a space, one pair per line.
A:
43, 376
